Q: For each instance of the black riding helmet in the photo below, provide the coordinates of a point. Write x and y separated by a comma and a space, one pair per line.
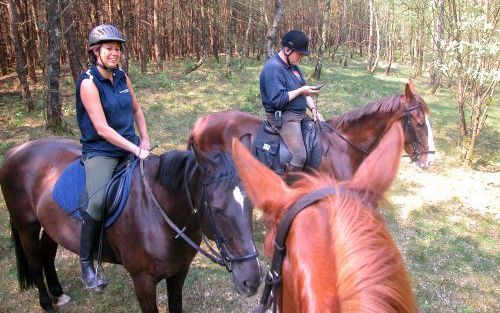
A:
104, 33
297, 41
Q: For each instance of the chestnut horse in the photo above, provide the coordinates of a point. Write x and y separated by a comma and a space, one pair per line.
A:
346, 140
199, 193
338, 254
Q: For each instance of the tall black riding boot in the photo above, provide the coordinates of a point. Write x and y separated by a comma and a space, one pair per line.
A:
88, 238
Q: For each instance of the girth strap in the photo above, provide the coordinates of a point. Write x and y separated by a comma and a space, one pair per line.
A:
273, 279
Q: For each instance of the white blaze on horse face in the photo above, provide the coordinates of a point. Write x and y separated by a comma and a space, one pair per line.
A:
238, 197
430, 143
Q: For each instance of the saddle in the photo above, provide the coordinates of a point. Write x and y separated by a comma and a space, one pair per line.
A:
270, 150
71, 195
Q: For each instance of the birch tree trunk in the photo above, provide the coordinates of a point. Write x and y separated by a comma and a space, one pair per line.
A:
325, 25
435, 71
377, 53
271, 34
369, 56
20, 57
54, 112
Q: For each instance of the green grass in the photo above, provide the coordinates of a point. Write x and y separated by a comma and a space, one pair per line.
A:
451, 247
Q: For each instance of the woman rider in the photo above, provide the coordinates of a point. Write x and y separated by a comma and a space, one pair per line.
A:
106, 109
284, 89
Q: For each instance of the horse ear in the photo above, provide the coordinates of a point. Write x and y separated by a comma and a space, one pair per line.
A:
378, 170
262, 185
410, 90
202, 159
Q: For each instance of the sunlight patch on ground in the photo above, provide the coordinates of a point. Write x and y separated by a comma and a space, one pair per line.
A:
477, 190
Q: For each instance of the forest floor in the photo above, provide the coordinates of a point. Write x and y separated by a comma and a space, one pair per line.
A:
445, 220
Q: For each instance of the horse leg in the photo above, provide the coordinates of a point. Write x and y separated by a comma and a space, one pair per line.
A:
174, 290
145, 291
31, 247
48, 249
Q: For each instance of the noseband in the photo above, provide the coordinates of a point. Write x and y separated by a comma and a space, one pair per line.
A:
223, 257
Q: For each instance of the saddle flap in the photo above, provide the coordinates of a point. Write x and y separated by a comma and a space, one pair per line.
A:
267, 146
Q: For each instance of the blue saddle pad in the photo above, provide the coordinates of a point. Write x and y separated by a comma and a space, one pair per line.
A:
70, 186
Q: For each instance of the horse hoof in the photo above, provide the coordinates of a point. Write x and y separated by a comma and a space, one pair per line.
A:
61, 300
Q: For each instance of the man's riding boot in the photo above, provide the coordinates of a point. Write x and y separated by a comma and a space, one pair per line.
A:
89, 236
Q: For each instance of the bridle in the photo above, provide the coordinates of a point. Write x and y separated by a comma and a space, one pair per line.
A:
272, 288
416, 153
222, 257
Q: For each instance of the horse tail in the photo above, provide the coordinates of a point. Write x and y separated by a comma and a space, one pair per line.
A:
24, 275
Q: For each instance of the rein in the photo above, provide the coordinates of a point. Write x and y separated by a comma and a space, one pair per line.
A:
273, 279
323, 123
222, 258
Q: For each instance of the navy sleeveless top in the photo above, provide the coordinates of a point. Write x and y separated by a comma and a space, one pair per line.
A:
116, 102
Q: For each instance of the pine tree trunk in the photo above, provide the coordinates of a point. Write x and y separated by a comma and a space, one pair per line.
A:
157, 37
205, 44
71, 39
54, 112
27, 39
3, 47
144, 39
230, 37
127, 34
215, 30
271, 34
20, 57
247, 31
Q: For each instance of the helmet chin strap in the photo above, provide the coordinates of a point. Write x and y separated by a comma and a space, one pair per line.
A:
287, 56
107, 69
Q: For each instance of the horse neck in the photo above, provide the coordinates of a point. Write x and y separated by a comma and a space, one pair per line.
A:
367, 132
174, 204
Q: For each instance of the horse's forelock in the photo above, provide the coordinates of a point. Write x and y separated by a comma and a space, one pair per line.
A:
224, 165
173, 168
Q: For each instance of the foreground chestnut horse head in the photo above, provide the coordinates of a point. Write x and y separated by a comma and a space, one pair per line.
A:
340, 257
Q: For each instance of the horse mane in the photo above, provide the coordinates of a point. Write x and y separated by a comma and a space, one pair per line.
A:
368, 267
177, 166
387, 104
173, 166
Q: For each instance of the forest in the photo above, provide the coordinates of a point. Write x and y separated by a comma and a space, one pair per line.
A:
455, 42
189, 58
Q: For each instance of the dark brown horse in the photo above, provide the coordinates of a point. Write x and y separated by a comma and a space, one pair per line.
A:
346, 139
196, 191
335, 254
